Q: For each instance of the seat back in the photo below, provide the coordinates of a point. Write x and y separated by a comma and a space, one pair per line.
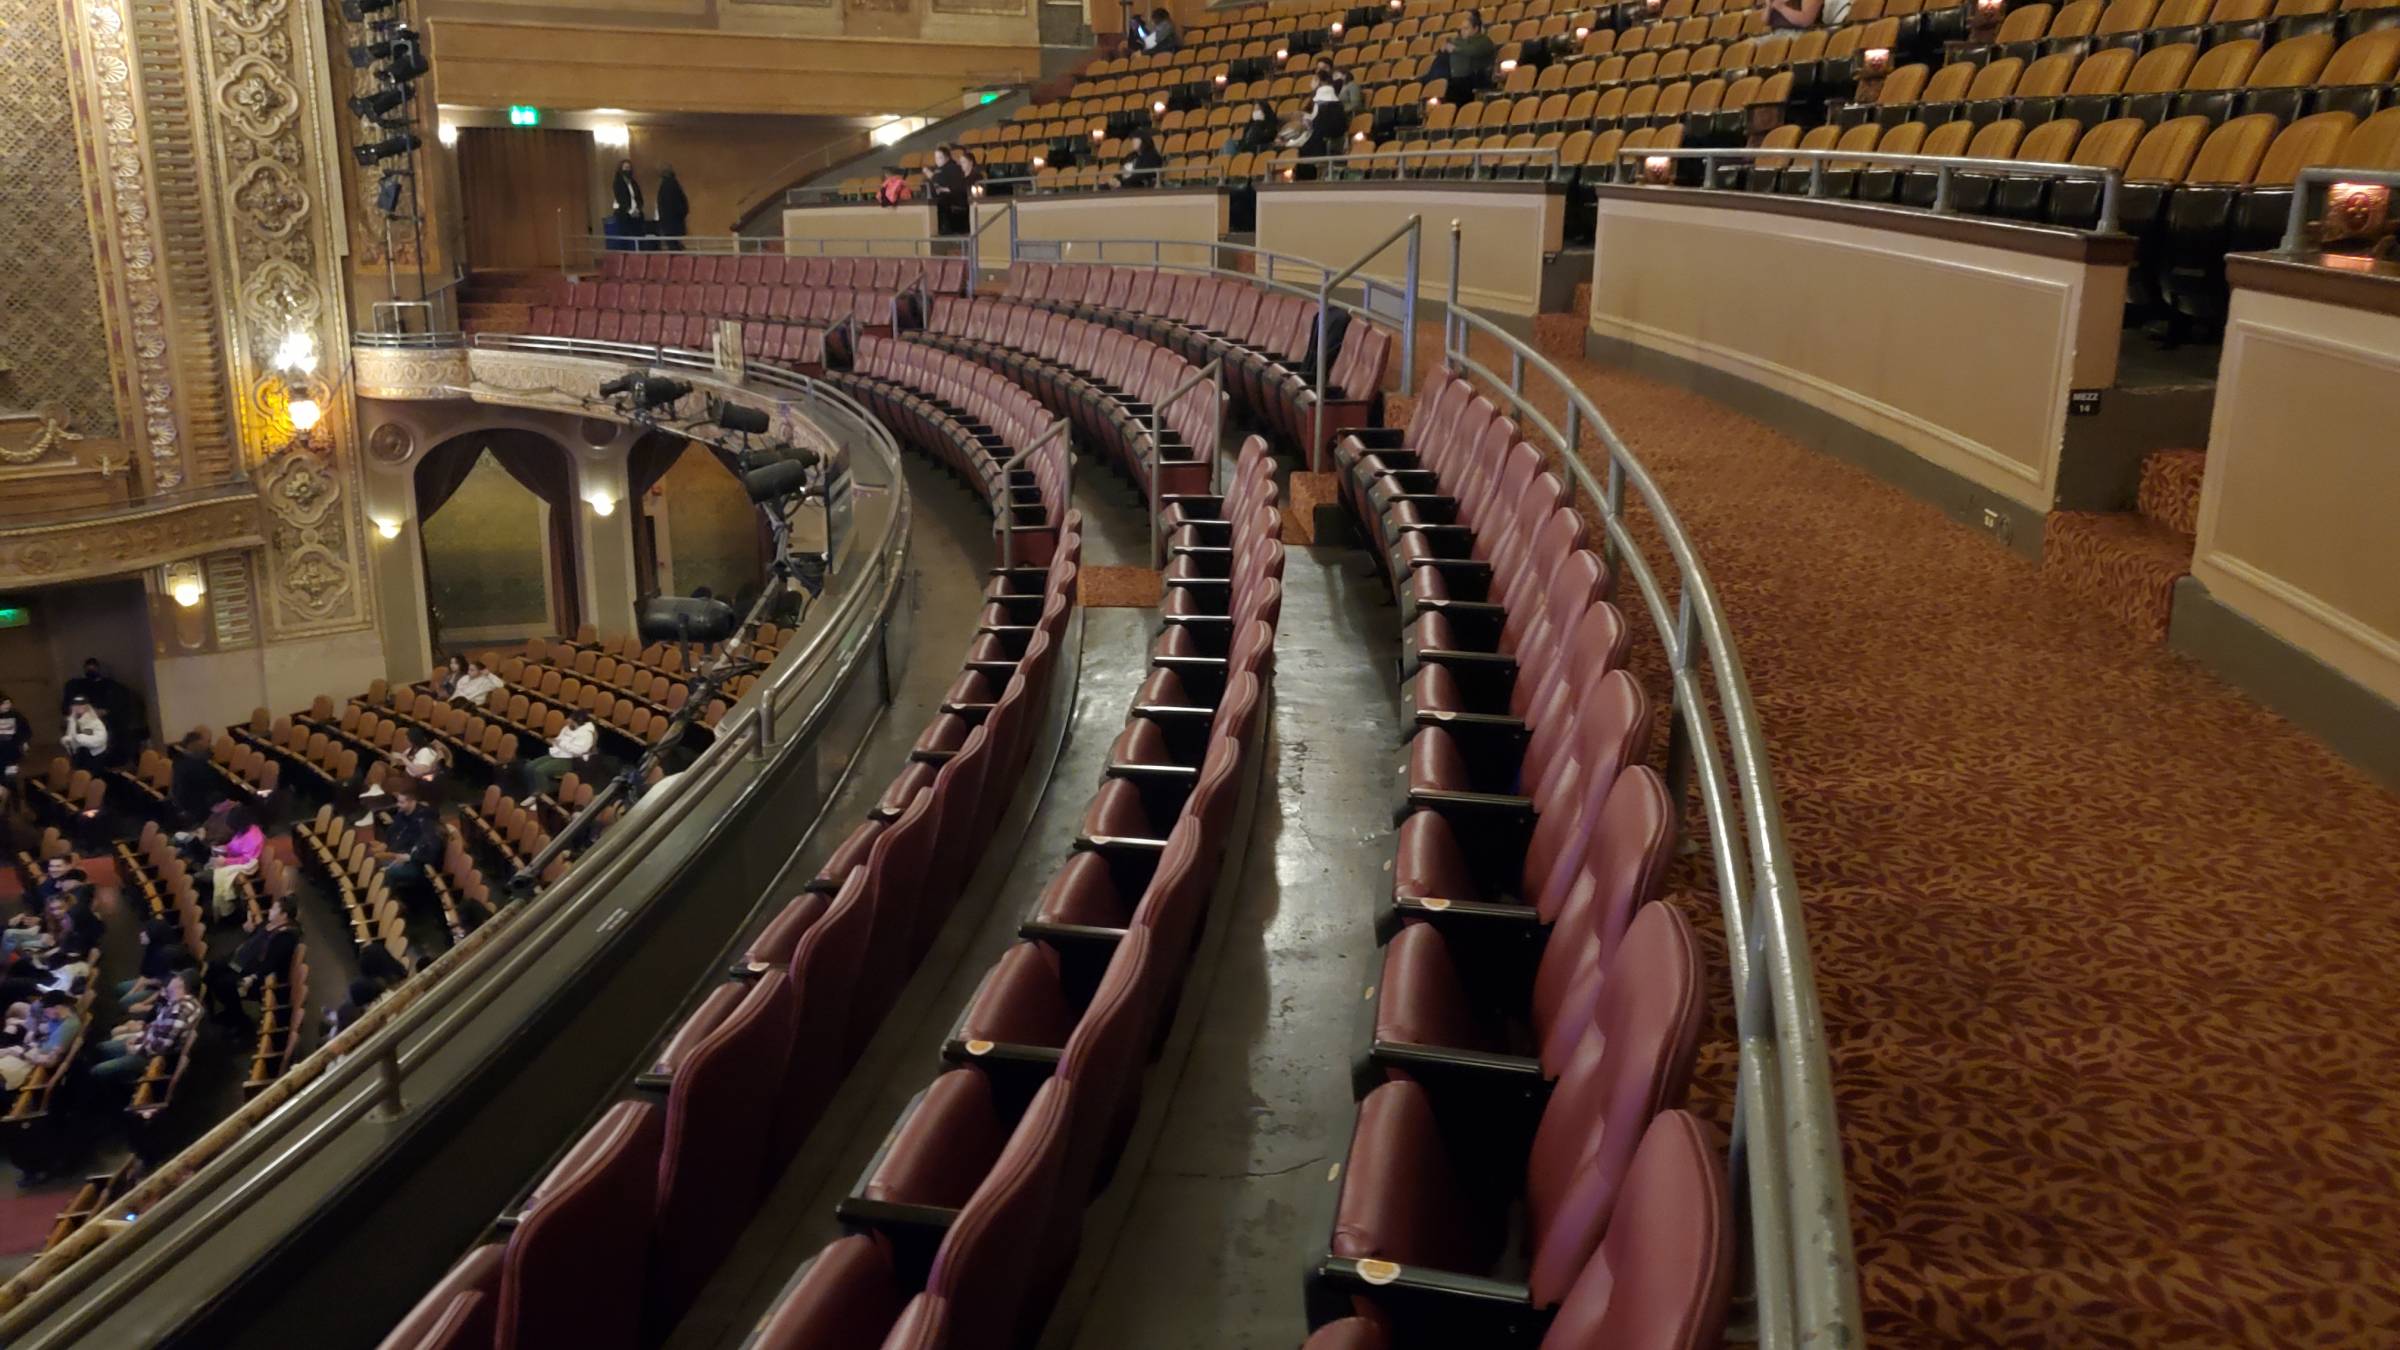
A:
574, 1269
849, 1295
458, 1313
983, 1265
1624, 868
1662, 1277
712, 1165
1635, 1062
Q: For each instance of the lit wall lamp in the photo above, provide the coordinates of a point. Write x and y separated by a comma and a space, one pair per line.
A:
183, 582
1657, 168
601, 503
614, 135
387, 527
1876, 60
446, 133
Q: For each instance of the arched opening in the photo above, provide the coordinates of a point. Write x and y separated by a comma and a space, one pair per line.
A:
496, 511
697, 526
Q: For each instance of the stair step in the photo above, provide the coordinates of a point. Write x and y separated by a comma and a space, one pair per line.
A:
2120, 563
1583, 298
2170, 490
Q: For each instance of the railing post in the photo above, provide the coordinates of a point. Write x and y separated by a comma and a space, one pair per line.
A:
1449, 313
1612, 506
1573, 431
1316, 434
764, 742
1157, 552
2295, 222
1408, 307
1216, 429
1816, 178
2108, 202
1679, 740
389, 1105
1941, 189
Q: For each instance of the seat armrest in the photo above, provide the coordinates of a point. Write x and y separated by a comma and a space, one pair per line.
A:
1450, 1308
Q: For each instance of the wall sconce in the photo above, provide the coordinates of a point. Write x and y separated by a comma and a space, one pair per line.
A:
183, 582
296, 354
1582, 32
614, 135
1038, 161
1158, 105
1876, 60
303, 410
1657, 168
601, 503
1336, 30
446, 133
388, 528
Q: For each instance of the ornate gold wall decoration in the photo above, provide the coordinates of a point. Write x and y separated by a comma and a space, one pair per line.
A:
409, 372
50, 325
127, 542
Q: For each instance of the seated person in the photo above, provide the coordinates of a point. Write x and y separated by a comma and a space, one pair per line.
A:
363, 992
194, 787
121, 1059
445, 681
1786, 14
42, 1036
1466, 60
1142, 162
62, 873
477, 686
1158, 35
568, 750
894, 188
266, 951
237, 857
412, 842
162, 951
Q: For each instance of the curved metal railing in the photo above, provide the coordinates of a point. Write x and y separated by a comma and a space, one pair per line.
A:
1786, 1156
354, 1081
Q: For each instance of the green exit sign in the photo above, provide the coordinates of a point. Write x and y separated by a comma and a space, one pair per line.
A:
15, 616
524, 115
990, 96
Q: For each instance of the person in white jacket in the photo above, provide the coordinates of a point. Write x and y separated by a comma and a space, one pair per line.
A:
573, 744
86, 735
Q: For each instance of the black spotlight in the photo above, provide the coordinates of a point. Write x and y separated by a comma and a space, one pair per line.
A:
674, 618
738, 417
772, 482
623, 384
377, 104
387, 193
657, 391
408, 63
365, 54
380, 151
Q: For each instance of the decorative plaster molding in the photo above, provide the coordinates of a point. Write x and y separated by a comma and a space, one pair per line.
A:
409, 372
128, 542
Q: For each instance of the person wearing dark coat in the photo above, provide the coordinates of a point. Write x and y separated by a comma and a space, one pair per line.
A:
194, 787
948, 181
1328, 125
625, 193
15, 731
266, 950
674, 210
1257, 135
1142, 162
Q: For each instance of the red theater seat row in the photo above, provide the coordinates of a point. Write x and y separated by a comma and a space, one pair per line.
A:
968, 1220
612, 1246
1265, 336
941, 275
778, 343
1107, 382
1518, 1154
787, 304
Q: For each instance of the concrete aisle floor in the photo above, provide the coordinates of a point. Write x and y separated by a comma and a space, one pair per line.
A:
1229, 1207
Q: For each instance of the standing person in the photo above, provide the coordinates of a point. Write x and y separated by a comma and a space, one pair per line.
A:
674, 210
93, 686
947, 182
15, 732
1327, 124
236, 858
625, 192
1466, 60
895, 187
194, 786
86, 735
574, 744
971, 171
1354, 95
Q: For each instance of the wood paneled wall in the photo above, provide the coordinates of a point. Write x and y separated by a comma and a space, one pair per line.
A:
514, 187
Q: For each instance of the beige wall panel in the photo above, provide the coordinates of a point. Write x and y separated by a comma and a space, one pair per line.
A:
724, 166
1198, 218
1963, 353
841, 227
2297, 526
483, 63
1503, 235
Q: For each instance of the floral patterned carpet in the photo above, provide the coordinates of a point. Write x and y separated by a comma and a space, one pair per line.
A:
2107, 950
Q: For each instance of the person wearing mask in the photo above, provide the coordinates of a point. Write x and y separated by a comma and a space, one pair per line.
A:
477, 686
445, 681
86, 736
1257, 135
674, 210
895, 187
237, 857
15, 733
1142, 162
48, 1031
946, 182
132, 1045
1328, 125
94, 686
625, 192
412, 842
194, 787
573, 744
266, 950
1466, 60
1354, 96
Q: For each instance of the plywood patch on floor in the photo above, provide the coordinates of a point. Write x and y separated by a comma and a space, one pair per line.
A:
1307, 494
1120, 587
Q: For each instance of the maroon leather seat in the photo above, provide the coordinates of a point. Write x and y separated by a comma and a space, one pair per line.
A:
1444, 685
713, 1161
1436, 868
458, 1313
944, 1147
826, 966
774, 944
848, 1296
1549, 602
1410, 1191
1661, 1277
975, 1294
573, 1272
895, 872
1609, 728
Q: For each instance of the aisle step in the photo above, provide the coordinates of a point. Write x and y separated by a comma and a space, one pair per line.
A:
2170, 488
2120, 563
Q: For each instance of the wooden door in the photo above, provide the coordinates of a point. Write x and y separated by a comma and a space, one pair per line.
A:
516, 187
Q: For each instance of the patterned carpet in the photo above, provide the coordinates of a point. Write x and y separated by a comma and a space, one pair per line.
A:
2107, 950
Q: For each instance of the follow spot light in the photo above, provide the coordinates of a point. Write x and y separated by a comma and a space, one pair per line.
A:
738, 417
675, 618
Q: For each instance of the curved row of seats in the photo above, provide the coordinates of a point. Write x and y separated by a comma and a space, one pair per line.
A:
1106, 382
967, 1221
2295, 77
1266, 338
802, 271
1519, 1155
980, 426
610, 1248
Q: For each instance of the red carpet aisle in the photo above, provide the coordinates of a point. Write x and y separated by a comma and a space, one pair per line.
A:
2107, 950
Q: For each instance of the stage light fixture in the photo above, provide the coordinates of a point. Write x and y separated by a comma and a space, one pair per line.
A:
378, 103
656, 391
387, 193
379, 151
772, 482
623, 384
738, 417
675, 618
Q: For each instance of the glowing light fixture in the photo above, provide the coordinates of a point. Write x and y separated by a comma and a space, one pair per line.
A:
304, 412
614, 135
184, 583
297, 353
1655, 168
446, 133
1336, 30
601, 503
389, 529
1876, 60
1582, 32
1508, 65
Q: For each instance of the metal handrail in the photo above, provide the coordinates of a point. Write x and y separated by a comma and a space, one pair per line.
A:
2111, 180
1001, 522
2304, 190
1413, 230
1785, 1159
827, 156
132, 1257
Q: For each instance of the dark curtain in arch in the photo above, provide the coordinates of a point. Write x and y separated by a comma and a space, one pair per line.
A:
649, 461
540, 466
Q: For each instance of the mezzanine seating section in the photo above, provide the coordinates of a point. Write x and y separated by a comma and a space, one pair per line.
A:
786, 306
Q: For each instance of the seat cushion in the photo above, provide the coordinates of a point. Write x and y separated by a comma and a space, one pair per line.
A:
945, 1147
1082, 892
1423, 1002
1020, 1001
1401, 1199
1431, 862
